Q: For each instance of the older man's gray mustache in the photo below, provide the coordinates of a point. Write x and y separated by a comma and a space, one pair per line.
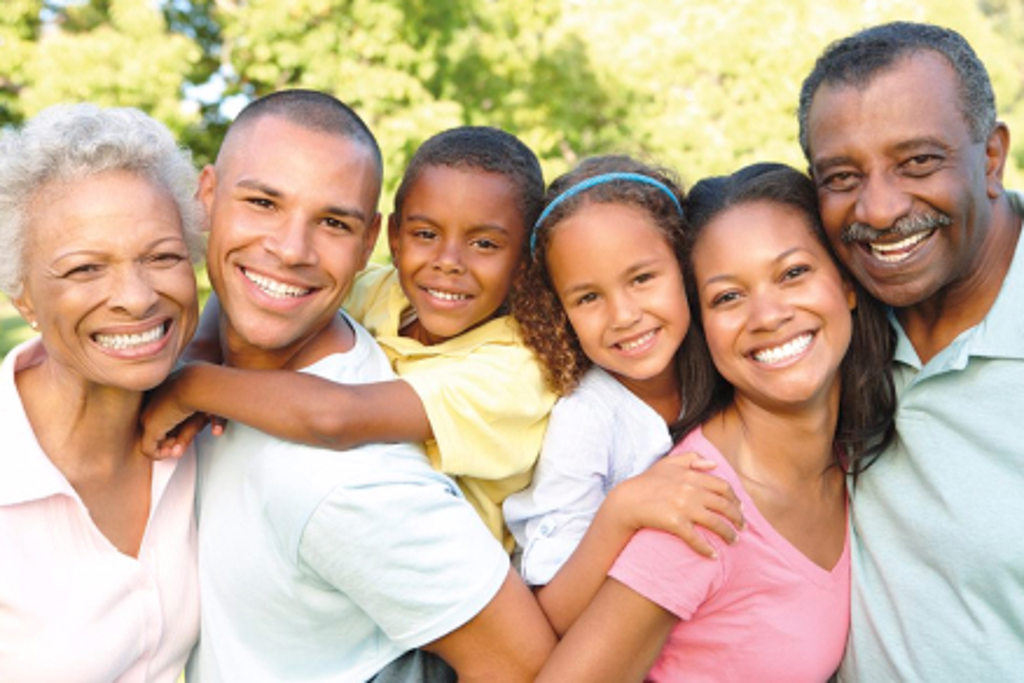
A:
905, 226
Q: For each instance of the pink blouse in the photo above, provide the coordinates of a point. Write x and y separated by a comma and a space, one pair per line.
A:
72, 607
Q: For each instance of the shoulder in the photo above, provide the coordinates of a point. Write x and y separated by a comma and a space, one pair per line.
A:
364, 362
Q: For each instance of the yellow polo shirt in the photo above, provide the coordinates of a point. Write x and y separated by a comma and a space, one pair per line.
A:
484, 393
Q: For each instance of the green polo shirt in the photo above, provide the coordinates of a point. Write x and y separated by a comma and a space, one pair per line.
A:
938, 590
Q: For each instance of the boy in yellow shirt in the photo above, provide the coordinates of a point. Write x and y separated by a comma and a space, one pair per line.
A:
468, 387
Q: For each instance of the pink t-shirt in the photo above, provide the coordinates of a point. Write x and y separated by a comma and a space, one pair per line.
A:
72, 607
762, 611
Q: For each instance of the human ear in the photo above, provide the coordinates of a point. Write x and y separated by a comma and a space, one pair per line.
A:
205, 192
996, 149
393, 225
370, 240
23, 303
851, 295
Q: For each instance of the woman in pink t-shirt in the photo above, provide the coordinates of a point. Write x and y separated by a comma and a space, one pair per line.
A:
788, 394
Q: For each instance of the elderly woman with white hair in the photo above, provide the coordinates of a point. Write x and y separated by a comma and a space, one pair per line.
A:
99, 228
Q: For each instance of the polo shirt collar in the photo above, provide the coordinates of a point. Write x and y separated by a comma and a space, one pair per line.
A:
1000, 334
26, 473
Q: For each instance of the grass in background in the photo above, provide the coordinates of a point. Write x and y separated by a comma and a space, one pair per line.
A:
13, 329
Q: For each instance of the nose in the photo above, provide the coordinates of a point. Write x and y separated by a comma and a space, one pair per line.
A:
133, 292
291, 241
449, 257
881, 202
625, 312
769, 310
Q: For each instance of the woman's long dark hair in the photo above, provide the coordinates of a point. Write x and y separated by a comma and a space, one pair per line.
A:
867, 397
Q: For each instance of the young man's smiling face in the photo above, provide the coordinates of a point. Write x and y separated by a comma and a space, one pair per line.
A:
457, 248
292, 219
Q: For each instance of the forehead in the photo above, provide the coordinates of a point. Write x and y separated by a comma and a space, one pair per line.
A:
297, 159
766, 228
917, 97
601, 230
113, 207
465, 190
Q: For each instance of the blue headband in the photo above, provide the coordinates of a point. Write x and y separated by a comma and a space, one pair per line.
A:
592, 182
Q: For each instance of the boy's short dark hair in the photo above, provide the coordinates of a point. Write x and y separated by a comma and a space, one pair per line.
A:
486, 149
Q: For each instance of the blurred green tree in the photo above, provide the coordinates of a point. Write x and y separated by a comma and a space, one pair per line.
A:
699, 86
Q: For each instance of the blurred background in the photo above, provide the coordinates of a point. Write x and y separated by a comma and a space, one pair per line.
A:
701, 86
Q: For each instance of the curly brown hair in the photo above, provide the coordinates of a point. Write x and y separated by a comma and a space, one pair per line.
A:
534, 302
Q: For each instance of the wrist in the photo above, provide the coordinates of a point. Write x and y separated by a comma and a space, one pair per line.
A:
616, 512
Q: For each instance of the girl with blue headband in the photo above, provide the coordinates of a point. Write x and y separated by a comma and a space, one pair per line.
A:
604, 307
787, 392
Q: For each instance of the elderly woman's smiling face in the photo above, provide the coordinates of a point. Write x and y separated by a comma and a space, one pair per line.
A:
108, 279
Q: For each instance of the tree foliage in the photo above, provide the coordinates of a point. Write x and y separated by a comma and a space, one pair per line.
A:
699, 86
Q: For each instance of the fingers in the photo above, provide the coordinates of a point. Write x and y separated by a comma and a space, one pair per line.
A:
690, 459
188, 430
721, 498
696, 541
170, 448
217, 425
718, 525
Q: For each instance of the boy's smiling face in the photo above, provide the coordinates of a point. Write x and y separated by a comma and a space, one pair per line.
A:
457, 248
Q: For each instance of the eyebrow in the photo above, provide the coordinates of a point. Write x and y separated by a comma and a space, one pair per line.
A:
901, 147
332, 210
475, 228
775, 261
104, 253
629, 272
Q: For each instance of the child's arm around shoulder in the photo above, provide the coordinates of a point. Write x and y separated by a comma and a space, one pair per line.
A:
290, 405
676, 494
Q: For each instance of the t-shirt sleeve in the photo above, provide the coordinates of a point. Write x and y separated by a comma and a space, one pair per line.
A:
409, 550
368, 292
549, 518
666, 571
487, 410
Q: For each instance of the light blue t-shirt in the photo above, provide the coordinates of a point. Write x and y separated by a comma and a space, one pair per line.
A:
938, 590
320, 565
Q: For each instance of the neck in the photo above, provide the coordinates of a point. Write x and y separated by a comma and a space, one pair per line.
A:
336, 336
765, 443
86, 430
934, 323
662, 393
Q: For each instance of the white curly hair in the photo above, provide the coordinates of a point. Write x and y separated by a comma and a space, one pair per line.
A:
65, 143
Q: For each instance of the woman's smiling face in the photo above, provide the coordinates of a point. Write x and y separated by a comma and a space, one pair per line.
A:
108, 279
775, 309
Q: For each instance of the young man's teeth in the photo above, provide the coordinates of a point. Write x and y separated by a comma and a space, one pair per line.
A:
778, 354
893, 252
636, 343
126, 341
447, 296
278, 290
